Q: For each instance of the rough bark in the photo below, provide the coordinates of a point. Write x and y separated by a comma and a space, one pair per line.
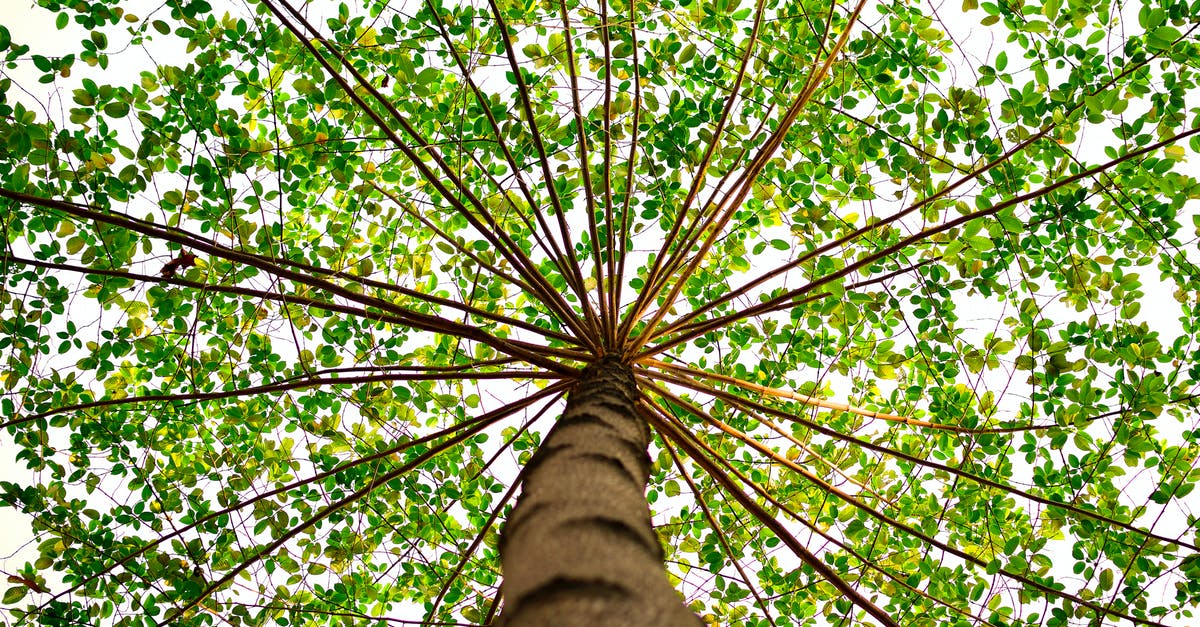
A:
578, 549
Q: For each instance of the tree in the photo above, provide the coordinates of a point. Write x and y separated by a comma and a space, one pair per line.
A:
856, 320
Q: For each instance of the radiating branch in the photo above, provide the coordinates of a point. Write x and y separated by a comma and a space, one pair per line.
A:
271, 388
944, 192
585, 170
710, 466
488, 228
665, 262
787, 463
766, 451
722, 538
422, 321
611, 314
575, 277
480, 422
1100, 610
674, 433
719, 219
743, 403
322, 514
293, 299
554, 252
466, 555
812, 401
618, 281
784, 302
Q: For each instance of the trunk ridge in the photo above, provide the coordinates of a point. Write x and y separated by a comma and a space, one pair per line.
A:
578, 549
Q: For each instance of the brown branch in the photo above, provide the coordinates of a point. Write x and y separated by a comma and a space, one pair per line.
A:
496, 512
765, 450
810, 298
485, 420
721, 537
554, 253
490, 231
618, 282
813, 401
672, 432
422, 321
866, 562
782, 302
717, 221
944, 192
281, 387
664, 260
466, 555
609, 318
324, 513
743, 403
897, 524
296, 299
585, 170
575, 278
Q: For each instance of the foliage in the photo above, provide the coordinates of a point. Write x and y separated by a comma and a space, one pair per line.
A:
908, 288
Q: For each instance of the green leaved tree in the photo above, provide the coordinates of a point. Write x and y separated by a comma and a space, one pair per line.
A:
605, 312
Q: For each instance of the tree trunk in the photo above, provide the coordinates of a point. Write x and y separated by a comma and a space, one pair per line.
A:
578, 549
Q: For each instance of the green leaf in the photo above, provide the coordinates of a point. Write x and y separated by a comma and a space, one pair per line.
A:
427, 76
1050, 9
686, 54
14, 595
1163, 37
116, 109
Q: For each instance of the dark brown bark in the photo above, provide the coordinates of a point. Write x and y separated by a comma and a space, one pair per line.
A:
578, 549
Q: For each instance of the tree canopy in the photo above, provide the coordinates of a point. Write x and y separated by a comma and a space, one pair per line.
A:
292, 292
